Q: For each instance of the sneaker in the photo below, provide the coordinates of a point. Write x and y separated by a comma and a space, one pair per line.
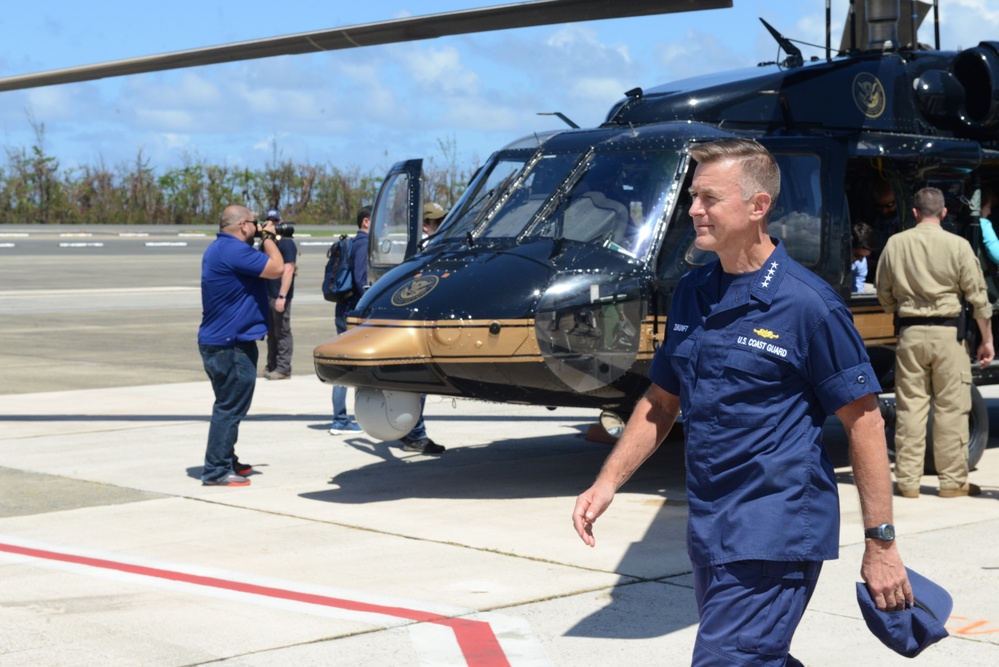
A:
242, 469
232, 479
342, 428
422, 445
276, 375
968, 489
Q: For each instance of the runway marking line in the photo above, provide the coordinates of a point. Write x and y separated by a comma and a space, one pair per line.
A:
476, 639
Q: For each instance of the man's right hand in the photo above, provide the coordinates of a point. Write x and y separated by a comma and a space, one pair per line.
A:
589, 506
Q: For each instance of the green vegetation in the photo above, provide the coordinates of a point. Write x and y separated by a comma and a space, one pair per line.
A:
34, 189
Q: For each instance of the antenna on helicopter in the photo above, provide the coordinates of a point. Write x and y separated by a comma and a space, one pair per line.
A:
561, 115
828, 29
794, 57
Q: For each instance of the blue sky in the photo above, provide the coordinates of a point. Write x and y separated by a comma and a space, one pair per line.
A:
370, 107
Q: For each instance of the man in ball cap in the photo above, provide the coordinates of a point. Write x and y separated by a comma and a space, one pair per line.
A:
280, 342
433, 213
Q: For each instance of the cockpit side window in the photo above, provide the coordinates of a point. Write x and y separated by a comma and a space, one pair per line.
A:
591, 195
796, 219
484, 193
614, 201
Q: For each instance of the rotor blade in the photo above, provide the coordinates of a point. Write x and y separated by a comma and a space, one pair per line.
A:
501, 17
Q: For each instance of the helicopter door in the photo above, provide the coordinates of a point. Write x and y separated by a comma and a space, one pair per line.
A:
396, 223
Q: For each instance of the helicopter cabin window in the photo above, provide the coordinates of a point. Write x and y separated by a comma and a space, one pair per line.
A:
611, 199
485, 191
614, 201
525, 198
796, 218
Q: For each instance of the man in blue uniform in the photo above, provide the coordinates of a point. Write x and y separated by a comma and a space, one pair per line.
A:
234, 317
759, 351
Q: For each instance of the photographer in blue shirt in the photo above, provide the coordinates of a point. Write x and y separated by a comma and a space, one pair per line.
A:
759, 351
234, 317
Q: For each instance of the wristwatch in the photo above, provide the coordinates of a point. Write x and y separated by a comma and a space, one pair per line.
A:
885, 532
280, 296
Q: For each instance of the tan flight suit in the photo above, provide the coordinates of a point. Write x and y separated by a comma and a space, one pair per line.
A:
922, 275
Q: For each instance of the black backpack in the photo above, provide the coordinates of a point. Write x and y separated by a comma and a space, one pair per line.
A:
338, 278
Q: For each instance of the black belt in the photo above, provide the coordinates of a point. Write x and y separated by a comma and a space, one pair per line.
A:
928, 321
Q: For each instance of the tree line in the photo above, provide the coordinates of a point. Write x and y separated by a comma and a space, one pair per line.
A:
35, 189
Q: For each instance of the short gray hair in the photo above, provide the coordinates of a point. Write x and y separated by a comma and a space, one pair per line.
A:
759, 171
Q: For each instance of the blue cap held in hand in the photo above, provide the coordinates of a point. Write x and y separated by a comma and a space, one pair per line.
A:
910, 631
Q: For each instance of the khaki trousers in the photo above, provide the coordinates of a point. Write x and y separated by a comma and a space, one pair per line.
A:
931, 365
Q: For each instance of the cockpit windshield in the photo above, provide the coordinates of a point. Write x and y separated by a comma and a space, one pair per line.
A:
610, 198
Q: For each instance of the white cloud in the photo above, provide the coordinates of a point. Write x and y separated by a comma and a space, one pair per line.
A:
176, 140
698, 53
441, 69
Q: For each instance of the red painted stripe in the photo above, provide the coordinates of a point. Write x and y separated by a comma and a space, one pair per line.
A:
475, 638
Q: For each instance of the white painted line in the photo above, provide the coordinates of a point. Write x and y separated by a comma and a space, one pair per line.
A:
170, 244
10, 234
317, 243
93, 291
191, 234
75, 234
132, 234
81, 245
6, 245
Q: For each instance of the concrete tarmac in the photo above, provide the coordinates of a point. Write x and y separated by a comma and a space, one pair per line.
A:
346, 550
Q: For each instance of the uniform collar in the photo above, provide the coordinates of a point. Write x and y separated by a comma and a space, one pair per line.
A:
767, 279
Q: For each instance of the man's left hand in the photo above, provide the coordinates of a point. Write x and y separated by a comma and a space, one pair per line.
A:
885, 576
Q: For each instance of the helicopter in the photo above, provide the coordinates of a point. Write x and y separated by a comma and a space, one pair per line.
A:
549, 280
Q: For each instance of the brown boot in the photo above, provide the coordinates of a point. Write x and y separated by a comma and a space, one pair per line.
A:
968, 489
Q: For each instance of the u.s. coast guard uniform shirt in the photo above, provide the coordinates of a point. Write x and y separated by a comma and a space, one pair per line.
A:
759, 360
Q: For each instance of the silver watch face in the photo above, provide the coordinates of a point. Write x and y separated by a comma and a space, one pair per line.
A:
885, 532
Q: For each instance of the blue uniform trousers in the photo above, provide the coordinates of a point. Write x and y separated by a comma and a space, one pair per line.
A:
749, 611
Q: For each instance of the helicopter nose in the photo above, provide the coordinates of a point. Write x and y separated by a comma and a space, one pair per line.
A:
368, 353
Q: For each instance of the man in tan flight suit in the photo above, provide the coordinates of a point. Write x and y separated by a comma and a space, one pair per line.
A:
923, 274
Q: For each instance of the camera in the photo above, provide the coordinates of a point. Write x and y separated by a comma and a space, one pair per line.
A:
286, 229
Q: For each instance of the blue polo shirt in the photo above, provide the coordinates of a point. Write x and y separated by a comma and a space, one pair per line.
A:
234, 307
759, 360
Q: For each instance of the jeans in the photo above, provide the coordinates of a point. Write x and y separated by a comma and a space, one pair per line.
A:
339, 391
420, 430
233, 372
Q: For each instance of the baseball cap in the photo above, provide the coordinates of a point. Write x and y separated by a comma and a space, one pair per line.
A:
273, 214
433, 210
911, 630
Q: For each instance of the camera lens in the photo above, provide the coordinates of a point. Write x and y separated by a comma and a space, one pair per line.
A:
284, 228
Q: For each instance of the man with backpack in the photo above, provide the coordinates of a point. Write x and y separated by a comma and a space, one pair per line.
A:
342, 423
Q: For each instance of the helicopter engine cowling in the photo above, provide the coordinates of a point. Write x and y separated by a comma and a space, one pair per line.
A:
941, 98
977, 70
